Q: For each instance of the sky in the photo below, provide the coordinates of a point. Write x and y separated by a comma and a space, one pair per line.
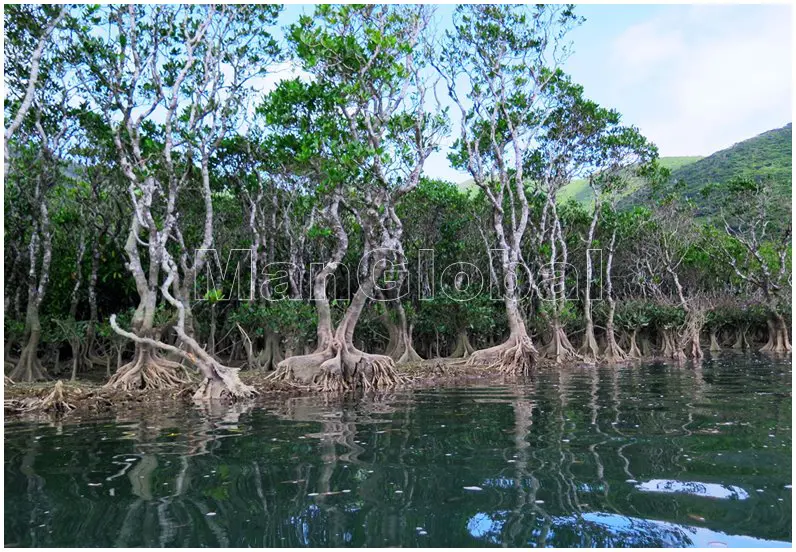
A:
693, 78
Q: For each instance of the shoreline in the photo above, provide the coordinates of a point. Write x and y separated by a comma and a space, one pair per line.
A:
90, 397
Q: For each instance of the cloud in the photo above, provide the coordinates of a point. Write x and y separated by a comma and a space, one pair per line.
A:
643, 45
278, 72
705, 77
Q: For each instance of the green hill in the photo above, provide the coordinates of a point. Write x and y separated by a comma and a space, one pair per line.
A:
766, 155
579, 189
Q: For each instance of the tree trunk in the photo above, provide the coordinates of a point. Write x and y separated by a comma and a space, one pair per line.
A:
647, 349
693, 343
589, 350
633, 351
28, 366
336, 364
613, 352
463, 348
690, 341
559, 349
211, 339
714, 341
92, 283
271, 355
404, 351
670, 348
778, 338
740, 338
74, 343
392, 333
220, 382
8, 347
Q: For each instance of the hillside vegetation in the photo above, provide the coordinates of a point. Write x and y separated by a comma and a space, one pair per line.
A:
578, 189
767, 155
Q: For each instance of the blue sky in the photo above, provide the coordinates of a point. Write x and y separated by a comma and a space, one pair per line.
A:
694, 78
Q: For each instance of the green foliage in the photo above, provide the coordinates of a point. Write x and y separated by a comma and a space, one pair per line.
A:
632, 315
14, 329
566, 312
294, 318
666, 317
447, 316
214, 296
68, 329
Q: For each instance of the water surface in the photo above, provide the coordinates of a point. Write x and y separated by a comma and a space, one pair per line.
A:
647, 455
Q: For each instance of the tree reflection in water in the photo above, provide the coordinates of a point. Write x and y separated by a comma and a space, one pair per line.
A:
640, 455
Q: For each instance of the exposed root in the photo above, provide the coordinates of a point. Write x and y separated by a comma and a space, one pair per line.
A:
409, 355
741, 341
148, 371
53, 402
331, 377
517, 356
404, 351
589, 351
268, 358
693, 347
463, 348
338, 368
559, 349
220, 382
301, 368
613, 353
646, 347
670, 347
331, 380
633, 351
375, 372
29, 367
778, 338
715, 347
271, 355
690, 335
225, 385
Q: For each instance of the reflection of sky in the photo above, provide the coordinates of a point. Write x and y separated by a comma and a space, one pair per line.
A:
671, 533
603, 529
303, 525
696, 488
485, 526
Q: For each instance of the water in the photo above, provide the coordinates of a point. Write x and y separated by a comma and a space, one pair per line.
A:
650, 455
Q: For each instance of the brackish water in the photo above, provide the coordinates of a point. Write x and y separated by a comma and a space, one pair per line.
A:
649, 455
